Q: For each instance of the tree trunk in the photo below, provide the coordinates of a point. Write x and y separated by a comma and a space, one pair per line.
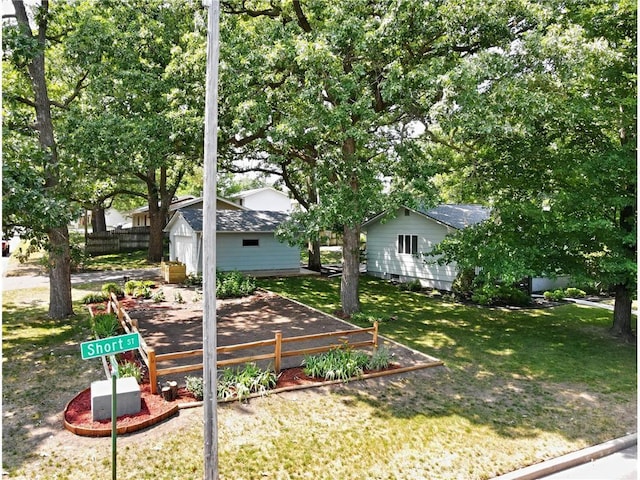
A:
622, 314
349, 295
157, 221
60, 303
98, 220
315, 262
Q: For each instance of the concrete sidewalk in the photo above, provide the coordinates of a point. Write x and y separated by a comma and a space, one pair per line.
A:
601, 462
17, 282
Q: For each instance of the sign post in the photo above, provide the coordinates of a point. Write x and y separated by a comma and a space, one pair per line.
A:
114, 414
103, 347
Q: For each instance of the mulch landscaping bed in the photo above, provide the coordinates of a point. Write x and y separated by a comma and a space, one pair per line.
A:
171, 326
155, 409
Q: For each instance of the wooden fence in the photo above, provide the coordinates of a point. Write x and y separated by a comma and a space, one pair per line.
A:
118, 240
152, 359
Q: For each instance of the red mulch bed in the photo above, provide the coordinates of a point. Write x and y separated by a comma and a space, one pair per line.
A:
78, 418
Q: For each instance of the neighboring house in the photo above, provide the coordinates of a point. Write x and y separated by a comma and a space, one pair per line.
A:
394, 246
140, 216
267, 198
113, 218
245, 241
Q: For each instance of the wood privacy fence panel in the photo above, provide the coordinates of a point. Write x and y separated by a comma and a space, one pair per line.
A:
274, 348
118, 240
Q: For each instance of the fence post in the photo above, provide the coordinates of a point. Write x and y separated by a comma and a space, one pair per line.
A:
153, 377
375, 334
278, 352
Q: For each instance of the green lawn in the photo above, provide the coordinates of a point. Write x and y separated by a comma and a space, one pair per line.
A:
567, 343
518, 387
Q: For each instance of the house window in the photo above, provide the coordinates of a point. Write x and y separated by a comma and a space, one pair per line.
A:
250, 242
408, 244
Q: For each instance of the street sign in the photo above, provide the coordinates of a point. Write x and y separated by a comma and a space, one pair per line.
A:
110, 345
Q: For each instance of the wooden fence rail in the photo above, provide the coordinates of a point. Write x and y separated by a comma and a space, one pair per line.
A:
152, 359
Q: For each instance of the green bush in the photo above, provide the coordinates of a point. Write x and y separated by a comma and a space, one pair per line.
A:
555, 295
462, 286
195, 386
140, 285
158, 296
112, 287
105, 325
193, 280
94, 298
242, 382
234, 285
489, 294
573, 292
130, 369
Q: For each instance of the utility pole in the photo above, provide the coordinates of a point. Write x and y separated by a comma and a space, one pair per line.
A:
209, 324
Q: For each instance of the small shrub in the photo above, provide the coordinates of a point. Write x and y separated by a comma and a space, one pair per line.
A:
234, 285
158, 297
142, 291
130, 369
462, 286
193, 280
112, 287
195, 386
489, 294
242, 382
380, 359
105, 325
341, 363
94, 298
142, 285
177, 297
573, 292
555, 296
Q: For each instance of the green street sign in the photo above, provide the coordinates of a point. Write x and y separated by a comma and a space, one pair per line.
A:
110, 345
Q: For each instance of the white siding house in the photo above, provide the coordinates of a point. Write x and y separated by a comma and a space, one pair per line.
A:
266, 198
394, 245
245, 241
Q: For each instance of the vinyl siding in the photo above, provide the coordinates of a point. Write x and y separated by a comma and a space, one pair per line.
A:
383, 259
267, 200
269, 255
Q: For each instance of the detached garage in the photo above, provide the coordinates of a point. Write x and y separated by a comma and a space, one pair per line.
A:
245, 241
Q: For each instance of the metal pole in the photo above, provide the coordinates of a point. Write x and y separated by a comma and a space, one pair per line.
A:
209, 340
114, 414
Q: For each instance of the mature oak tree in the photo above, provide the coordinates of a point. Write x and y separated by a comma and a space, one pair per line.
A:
37, 182
333, 89
142, 115
547, 135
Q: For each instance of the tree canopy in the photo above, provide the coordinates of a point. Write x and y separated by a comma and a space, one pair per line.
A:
328, 95
547, 135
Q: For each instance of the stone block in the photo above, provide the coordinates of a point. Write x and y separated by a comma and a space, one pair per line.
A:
127, 398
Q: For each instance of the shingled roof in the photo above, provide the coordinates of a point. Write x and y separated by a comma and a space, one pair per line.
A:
234, 220
457, 216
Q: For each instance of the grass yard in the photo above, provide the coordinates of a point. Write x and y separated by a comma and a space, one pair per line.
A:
519, 387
